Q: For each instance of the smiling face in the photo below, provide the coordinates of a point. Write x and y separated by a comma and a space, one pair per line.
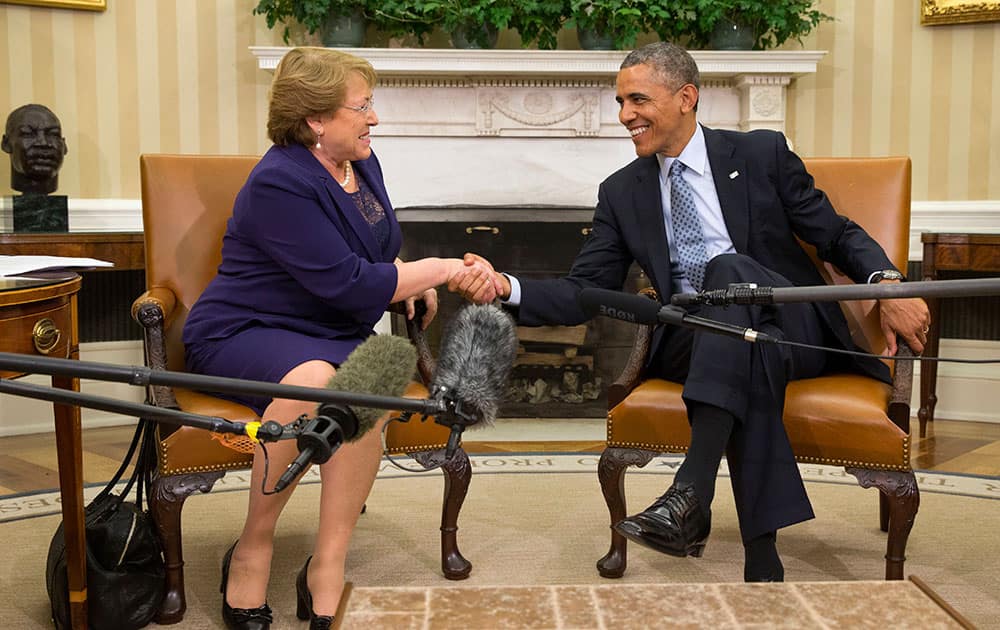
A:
659, 117
345, 133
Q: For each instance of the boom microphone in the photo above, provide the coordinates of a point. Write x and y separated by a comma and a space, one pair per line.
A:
641, 310
475, 360
381, 365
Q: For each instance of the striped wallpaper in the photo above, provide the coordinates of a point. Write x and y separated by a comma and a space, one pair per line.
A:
176, 76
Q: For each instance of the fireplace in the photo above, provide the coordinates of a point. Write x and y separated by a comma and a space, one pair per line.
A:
500, 152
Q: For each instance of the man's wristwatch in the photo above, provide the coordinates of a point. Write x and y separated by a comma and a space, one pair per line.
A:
885, 274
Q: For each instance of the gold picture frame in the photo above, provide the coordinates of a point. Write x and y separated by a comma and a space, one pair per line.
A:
89, 5
935, 12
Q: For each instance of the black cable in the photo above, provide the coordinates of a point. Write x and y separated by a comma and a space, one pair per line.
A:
385, 449
267, 467
879, 356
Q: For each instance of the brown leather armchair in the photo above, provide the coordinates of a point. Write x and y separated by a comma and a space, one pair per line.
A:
186, 201
844, 420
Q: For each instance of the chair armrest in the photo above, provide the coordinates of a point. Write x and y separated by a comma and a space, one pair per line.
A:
902, 387
426, 365
160, 298
631, 373
152, 310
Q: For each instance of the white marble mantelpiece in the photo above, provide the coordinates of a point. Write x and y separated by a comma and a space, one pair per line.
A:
428, 62
517, 127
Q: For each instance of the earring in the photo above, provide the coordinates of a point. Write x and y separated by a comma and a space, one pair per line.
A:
318, 145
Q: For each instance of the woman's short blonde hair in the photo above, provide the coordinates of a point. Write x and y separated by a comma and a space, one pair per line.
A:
309, 82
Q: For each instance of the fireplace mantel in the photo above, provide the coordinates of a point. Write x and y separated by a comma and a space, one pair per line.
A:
517, 127
564, 64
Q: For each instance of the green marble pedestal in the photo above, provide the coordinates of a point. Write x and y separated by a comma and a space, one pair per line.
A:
39, 213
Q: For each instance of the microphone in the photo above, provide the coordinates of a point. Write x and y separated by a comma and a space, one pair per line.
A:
475, 360
637, 309
381, 365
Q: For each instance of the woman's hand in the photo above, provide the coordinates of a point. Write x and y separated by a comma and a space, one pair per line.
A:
430, 298
474, 279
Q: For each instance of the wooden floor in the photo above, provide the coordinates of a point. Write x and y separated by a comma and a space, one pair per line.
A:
28, 462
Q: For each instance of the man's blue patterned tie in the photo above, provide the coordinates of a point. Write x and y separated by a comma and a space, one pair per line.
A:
688, 233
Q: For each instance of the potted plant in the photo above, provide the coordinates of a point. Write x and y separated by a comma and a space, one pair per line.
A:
399, 18
539, 21
752, 24
469, 23
616, 24
340, 22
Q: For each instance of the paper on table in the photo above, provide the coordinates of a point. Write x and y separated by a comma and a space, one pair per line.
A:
15, 265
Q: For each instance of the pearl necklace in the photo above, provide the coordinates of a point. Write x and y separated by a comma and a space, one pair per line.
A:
347, 174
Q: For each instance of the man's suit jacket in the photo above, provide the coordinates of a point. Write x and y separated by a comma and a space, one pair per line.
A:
767, 199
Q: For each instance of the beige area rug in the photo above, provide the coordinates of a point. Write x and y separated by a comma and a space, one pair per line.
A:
550, 526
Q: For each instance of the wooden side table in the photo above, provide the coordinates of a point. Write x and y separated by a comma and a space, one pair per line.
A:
949, 252
124, 249
40, 317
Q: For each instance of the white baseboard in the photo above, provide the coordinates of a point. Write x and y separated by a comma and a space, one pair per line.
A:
25, 415
965, 391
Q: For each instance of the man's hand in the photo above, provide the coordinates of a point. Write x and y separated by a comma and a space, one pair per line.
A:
477, 281
906, 317
430, 297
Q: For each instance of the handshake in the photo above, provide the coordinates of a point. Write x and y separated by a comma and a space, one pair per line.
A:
477, 281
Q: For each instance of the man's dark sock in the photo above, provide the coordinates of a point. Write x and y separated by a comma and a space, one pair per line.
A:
761, 560
710, 430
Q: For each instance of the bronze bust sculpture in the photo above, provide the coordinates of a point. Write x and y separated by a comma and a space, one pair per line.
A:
33, 138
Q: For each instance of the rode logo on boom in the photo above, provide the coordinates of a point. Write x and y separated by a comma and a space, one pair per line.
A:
610, 311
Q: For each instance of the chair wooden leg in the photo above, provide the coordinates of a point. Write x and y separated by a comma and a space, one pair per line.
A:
883, 512
457, 476
611, 472
903, 498
166, 502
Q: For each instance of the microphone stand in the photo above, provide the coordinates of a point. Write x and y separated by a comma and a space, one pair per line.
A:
749, 293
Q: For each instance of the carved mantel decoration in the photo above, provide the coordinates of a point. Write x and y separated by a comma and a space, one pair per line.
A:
520, 127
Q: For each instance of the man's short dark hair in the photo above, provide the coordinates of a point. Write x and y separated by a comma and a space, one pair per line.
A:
673, 64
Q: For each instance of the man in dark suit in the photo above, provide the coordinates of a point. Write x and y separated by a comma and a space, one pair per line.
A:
701, 209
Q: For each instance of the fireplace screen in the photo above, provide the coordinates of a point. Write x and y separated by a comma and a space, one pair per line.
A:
560, 371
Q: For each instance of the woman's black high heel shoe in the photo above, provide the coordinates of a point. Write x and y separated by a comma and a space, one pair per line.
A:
304, 610
242, 618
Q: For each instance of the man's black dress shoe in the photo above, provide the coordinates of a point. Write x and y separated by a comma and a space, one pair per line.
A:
674, 524
242, 618
304, 610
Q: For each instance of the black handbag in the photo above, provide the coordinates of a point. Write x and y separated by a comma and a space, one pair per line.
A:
125, 571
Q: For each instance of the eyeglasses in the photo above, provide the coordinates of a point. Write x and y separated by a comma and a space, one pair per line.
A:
362, 109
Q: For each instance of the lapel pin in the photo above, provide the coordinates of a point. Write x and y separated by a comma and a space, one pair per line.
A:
734, 175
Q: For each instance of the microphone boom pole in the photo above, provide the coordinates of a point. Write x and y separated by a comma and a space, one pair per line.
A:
143, 376
753, 294
92, 401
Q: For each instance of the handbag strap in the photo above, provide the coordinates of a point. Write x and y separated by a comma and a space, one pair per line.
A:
108, 489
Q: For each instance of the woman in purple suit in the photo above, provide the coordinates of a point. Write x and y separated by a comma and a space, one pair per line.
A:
309, 265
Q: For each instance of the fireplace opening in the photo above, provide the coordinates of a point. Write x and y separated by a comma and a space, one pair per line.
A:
560, 371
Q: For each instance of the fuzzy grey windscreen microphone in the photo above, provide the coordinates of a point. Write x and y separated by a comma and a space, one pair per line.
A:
381, 365
474, 362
